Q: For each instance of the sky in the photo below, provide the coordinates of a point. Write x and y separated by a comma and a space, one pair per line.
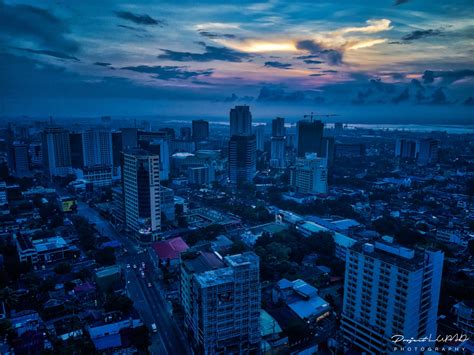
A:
394, 61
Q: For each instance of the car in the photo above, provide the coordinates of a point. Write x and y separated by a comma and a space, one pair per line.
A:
134, 266
128, 266
149, 284
154, 328
143, 264
143, 274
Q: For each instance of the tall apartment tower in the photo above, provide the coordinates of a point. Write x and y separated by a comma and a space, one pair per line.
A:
389, 290
278, 127
21, 161
56, 151
91, 155
221, 301
427, 151
260, 137
242, 159
240, 121
310, 174
200, 130
278, 143
309, 137
141, 190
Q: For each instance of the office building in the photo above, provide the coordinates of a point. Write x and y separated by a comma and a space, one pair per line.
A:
200, 130
427, 151
405, 148
198, 175
3, 194
20, 159
129, 138
390, 289
327, 150
157, 143
92, 156
260, 137
221, 301
278, 127
338, 128
167, 203
240, 121
309, 137
310, 175
56, 152
141, 188
185, 133
277, 152
242, 159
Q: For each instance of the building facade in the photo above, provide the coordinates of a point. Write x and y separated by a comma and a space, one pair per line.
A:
242, 159
240, 121
309, 137
310, 175
389, 290
141, 188
200, 130
56, 150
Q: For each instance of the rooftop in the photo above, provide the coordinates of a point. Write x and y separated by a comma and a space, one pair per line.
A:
48, 244
240, 259
170, 249
201, 261
215, 277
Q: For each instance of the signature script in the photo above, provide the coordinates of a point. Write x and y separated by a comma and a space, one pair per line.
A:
458, 338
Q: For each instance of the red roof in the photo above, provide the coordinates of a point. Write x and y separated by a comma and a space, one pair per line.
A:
170, 249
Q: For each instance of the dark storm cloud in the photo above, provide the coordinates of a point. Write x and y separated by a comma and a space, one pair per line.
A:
102, 64
311, 61
278, 65
381, 86
131, 28
329, 71
312, 56
419, 34
447, 77
139, 19
469, 101
210, 53
317, 74
331, 56
169, 72
46, 52
439, 97
213, 35
404, 96
25, 22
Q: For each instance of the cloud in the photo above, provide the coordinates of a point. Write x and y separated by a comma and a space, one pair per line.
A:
26, 23
211, 53
469, 101
214, 35
278, 65
447, 77
404, 96
102, 64
169, 72
418, 34
139, 19
48, 53
439, 97
399, 2
317, 74
234, 98
131, 28
332, 56
373, 26
311, 61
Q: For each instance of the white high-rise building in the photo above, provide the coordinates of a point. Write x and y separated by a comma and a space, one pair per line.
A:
56, 151
277, 152
260, 136
221, 302
141, 187
310, 174
390, 290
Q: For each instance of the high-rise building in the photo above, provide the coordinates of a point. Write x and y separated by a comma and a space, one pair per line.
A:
200, 130
260, 136
117, 148
338, 128
277, 152
56, 151
278, 127
91, 156
389, 290
310, 174
185, 133
405, 148
242, 159
240, 121
327, 149
427, 151
21, 162
221, 301
141, 188
309, 137
157, 143
129, 138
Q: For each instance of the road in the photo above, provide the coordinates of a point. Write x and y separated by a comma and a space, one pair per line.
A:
149, 301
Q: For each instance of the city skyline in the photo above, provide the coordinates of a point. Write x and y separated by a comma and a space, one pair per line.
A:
406, 59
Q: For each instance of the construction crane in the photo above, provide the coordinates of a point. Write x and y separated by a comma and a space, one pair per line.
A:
320, 115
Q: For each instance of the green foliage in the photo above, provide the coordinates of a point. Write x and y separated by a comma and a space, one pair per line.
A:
85, 232
207, 233
62, 268
105, 256
116, 302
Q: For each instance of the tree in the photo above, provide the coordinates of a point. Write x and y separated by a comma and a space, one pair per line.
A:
470, 247
116, 302
105, 256
62, 268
